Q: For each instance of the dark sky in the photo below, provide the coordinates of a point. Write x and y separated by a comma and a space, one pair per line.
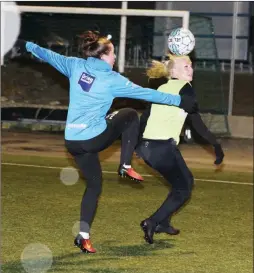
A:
93, 4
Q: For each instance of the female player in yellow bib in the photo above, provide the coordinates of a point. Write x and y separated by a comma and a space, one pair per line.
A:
160, 130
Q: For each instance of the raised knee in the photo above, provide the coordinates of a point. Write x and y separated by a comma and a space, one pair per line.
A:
132, 113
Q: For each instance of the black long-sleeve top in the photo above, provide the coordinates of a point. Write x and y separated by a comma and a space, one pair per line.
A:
194, 120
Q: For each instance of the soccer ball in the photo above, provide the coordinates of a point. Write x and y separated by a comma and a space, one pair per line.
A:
181, 41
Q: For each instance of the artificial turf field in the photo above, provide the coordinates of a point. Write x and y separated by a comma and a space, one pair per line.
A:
216, 225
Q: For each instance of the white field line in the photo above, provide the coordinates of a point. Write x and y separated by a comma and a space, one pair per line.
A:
145, 175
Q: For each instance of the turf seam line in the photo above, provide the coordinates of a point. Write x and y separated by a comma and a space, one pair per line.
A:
111, 172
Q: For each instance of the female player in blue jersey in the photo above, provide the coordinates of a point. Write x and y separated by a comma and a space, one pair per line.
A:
93, 87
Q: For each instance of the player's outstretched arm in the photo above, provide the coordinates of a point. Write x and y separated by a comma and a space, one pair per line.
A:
122, 87
196, 122
198, 125
62, 63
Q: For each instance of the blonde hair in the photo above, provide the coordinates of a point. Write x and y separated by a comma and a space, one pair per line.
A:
163, 69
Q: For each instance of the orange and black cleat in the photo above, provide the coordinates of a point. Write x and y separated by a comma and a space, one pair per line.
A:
84, 244
129, 173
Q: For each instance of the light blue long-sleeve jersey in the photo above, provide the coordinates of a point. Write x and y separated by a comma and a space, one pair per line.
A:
93, 87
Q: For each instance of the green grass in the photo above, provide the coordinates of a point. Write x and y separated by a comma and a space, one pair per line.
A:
216, 225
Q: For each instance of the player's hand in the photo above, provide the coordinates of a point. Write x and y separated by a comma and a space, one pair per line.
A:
219, 154
188, 104
20, 45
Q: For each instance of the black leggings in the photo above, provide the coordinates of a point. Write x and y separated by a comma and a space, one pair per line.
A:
165, 157
125, 123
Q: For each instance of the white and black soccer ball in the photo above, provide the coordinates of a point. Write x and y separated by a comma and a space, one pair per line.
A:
181, 41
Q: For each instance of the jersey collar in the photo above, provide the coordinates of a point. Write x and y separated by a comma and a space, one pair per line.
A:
98, 64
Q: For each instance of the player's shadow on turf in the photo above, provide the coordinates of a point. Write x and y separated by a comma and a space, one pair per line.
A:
63, 261
59, 261
143, 249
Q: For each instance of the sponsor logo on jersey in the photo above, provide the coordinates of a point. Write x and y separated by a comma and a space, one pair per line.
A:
86, 81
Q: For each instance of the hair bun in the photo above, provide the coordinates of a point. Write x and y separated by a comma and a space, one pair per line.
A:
89, 37
92, 44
